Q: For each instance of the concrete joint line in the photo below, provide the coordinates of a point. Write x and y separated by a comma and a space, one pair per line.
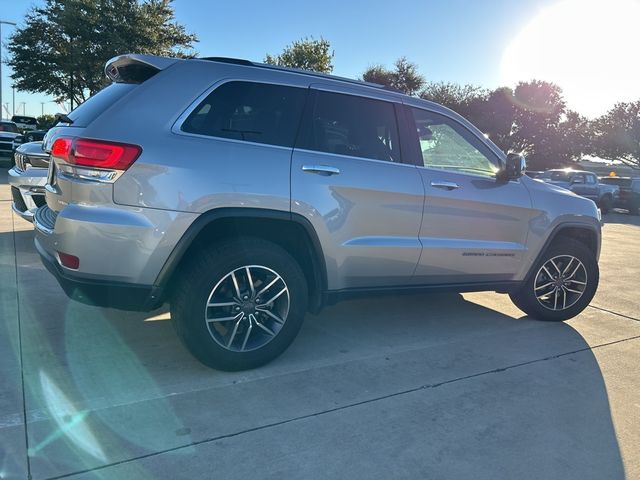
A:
344, 407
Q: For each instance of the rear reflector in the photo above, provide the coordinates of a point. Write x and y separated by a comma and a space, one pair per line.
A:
69, 261
95, 153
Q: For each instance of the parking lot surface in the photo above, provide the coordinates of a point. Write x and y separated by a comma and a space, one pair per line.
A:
417, 386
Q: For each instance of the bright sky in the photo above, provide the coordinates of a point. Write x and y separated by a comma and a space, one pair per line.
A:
587, 48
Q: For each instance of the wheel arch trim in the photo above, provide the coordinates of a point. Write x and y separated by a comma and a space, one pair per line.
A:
594, 230
207, 218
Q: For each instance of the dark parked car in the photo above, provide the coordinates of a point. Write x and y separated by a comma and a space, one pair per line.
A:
629, 197
31, 136
8, 132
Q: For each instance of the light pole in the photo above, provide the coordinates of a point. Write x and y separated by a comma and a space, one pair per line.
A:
6, 23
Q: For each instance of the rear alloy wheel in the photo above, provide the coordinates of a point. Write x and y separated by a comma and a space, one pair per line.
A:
562, 283
247, 308
239, 304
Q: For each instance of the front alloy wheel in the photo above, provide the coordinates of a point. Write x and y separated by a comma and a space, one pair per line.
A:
561, 284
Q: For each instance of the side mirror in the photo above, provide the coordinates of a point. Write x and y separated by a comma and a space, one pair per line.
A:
576, 180
514, 168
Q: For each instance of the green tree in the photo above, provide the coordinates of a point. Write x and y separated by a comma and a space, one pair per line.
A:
453, 95
404, 77
536, 132
617, 134
305, 54
495, 116
576, 133
45, 121
62, 46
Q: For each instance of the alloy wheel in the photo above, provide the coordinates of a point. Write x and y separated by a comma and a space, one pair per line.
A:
247, 308
560, 282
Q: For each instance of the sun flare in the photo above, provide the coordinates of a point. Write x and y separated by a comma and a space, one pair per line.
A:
589, 48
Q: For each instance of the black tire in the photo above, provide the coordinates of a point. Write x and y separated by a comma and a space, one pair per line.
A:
207, 270
525, 298
606, 204
633, 209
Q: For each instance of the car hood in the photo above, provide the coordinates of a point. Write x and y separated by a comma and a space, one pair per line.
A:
8, 135
555, 186
558, 183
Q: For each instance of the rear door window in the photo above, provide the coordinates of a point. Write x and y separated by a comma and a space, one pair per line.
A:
250, 111
355, 126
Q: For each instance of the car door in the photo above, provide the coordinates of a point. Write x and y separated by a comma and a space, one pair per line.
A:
474, 227
348, 180
578, 185
592, 189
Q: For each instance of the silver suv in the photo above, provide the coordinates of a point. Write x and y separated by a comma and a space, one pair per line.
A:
247, 195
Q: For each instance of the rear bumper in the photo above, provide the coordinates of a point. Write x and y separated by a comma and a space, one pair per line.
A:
122, 296
121, 251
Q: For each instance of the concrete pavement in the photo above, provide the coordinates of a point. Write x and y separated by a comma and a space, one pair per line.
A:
420, 386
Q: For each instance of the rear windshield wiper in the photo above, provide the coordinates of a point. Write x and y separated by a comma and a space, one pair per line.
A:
62, 117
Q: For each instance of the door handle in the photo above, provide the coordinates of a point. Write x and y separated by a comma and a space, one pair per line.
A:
444, 185
325, 170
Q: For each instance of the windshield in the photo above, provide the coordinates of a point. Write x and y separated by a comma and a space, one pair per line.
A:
9, 127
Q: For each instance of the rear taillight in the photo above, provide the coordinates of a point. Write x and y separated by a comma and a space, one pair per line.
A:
61, 148
87, 152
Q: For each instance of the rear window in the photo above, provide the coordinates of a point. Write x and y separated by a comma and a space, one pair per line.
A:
89, 110
26, 120
253, 112
354, 126
9, 127
557, 176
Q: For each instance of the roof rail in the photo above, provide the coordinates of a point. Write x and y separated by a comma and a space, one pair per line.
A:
248, 63
234, 61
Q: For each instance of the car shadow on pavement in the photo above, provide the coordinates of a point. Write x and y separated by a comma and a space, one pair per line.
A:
414, 385
621, 217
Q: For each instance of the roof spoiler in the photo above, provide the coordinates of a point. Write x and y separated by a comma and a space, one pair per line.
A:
135, 68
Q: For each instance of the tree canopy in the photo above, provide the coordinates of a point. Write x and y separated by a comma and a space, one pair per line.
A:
617, 133
404, 76
305, 54
63, 45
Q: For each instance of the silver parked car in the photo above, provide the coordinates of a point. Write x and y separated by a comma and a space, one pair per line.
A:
585, 184
28, 178
246, 195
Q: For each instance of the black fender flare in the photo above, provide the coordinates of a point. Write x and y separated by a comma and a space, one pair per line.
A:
206, 218
554, 234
